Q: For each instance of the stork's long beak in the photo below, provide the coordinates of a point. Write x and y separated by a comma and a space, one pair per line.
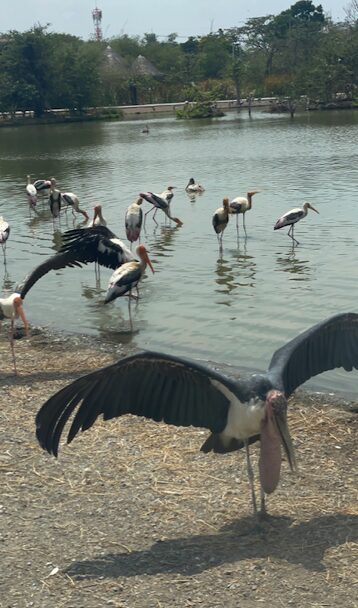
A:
282, 427
149, 263
313, 209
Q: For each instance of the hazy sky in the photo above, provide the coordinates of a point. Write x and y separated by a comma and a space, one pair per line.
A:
134, 17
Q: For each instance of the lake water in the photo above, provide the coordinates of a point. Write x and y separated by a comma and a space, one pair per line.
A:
234, 308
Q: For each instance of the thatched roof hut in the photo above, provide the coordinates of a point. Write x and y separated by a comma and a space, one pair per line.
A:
143, 67
114, 61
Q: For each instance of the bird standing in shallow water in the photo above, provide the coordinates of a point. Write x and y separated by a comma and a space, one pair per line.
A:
133, 220
31, 193
220, 221
4, 234
181, 392
240, 205
126, 277
12, 308
292, 217
158, 203
73, 201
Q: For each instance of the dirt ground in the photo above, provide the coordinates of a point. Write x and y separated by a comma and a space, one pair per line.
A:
133, 515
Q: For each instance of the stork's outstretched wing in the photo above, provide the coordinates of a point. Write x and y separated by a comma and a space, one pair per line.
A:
327, 345
81, 247
157, 386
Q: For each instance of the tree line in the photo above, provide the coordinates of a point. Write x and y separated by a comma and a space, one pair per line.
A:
300, 51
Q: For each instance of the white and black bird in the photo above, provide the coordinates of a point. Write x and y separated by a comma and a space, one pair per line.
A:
220, 221
292, 217
181, 392
31, 193
42, 185
193, 187
4, 233
98, 219
158, 203
72, 201
127, 276
12, 308
133, 220
240, 205
82, 246
55, 199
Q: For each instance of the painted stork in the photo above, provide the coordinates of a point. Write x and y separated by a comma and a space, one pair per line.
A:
12, 308
4, 233
31, 193
240, 205
181, 392
292, 217
72, 201
54, 199
220, 221
82, 246
192, 186
98, 219
133, 220
127, 276
158, 203
42, 185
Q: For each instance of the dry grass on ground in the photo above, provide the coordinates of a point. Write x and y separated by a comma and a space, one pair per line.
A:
133, 515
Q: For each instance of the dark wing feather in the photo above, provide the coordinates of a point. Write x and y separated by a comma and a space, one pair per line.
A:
157, 386
95, 245
330, 344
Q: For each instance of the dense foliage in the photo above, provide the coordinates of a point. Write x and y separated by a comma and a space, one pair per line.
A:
298, 52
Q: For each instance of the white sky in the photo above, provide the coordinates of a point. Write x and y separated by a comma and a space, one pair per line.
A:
134, 17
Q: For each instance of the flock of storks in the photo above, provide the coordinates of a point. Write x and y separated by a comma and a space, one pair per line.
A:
236, 411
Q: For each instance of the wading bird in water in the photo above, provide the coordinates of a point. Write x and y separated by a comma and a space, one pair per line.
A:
73, 201
12, 308
220, 221
133, 221
292, 217
31, 193
181, 392
240, 205
4, 233
158, 203
127, 276
82, 246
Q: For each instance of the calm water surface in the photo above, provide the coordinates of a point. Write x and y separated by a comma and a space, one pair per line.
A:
234, 308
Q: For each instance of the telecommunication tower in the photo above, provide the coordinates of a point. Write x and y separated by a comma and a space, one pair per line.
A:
97, 20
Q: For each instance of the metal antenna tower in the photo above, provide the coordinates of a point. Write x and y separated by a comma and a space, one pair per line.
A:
97, 21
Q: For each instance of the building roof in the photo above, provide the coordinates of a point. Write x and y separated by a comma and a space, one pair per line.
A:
143, 67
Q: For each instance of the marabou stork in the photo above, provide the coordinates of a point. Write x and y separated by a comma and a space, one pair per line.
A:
72, 201
127, 276
158, 203
54, 199
12, 308
133, 220
192, 186
31, 193
182, 392
240, 205
292, 217
4, 233
82, 246
220, 221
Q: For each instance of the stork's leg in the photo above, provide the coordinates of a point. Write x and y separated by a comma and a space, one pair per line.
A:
263, 511
12, 345
146, 213
296, 241
155, 213
243, 223
250, 474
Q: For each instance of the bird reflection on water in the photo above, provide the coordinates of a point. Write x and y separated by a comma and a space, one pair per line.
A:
290, 263
240, 271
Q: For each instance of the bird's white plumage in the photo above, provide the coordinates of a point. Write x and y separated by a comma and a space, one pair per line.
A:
244, 419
